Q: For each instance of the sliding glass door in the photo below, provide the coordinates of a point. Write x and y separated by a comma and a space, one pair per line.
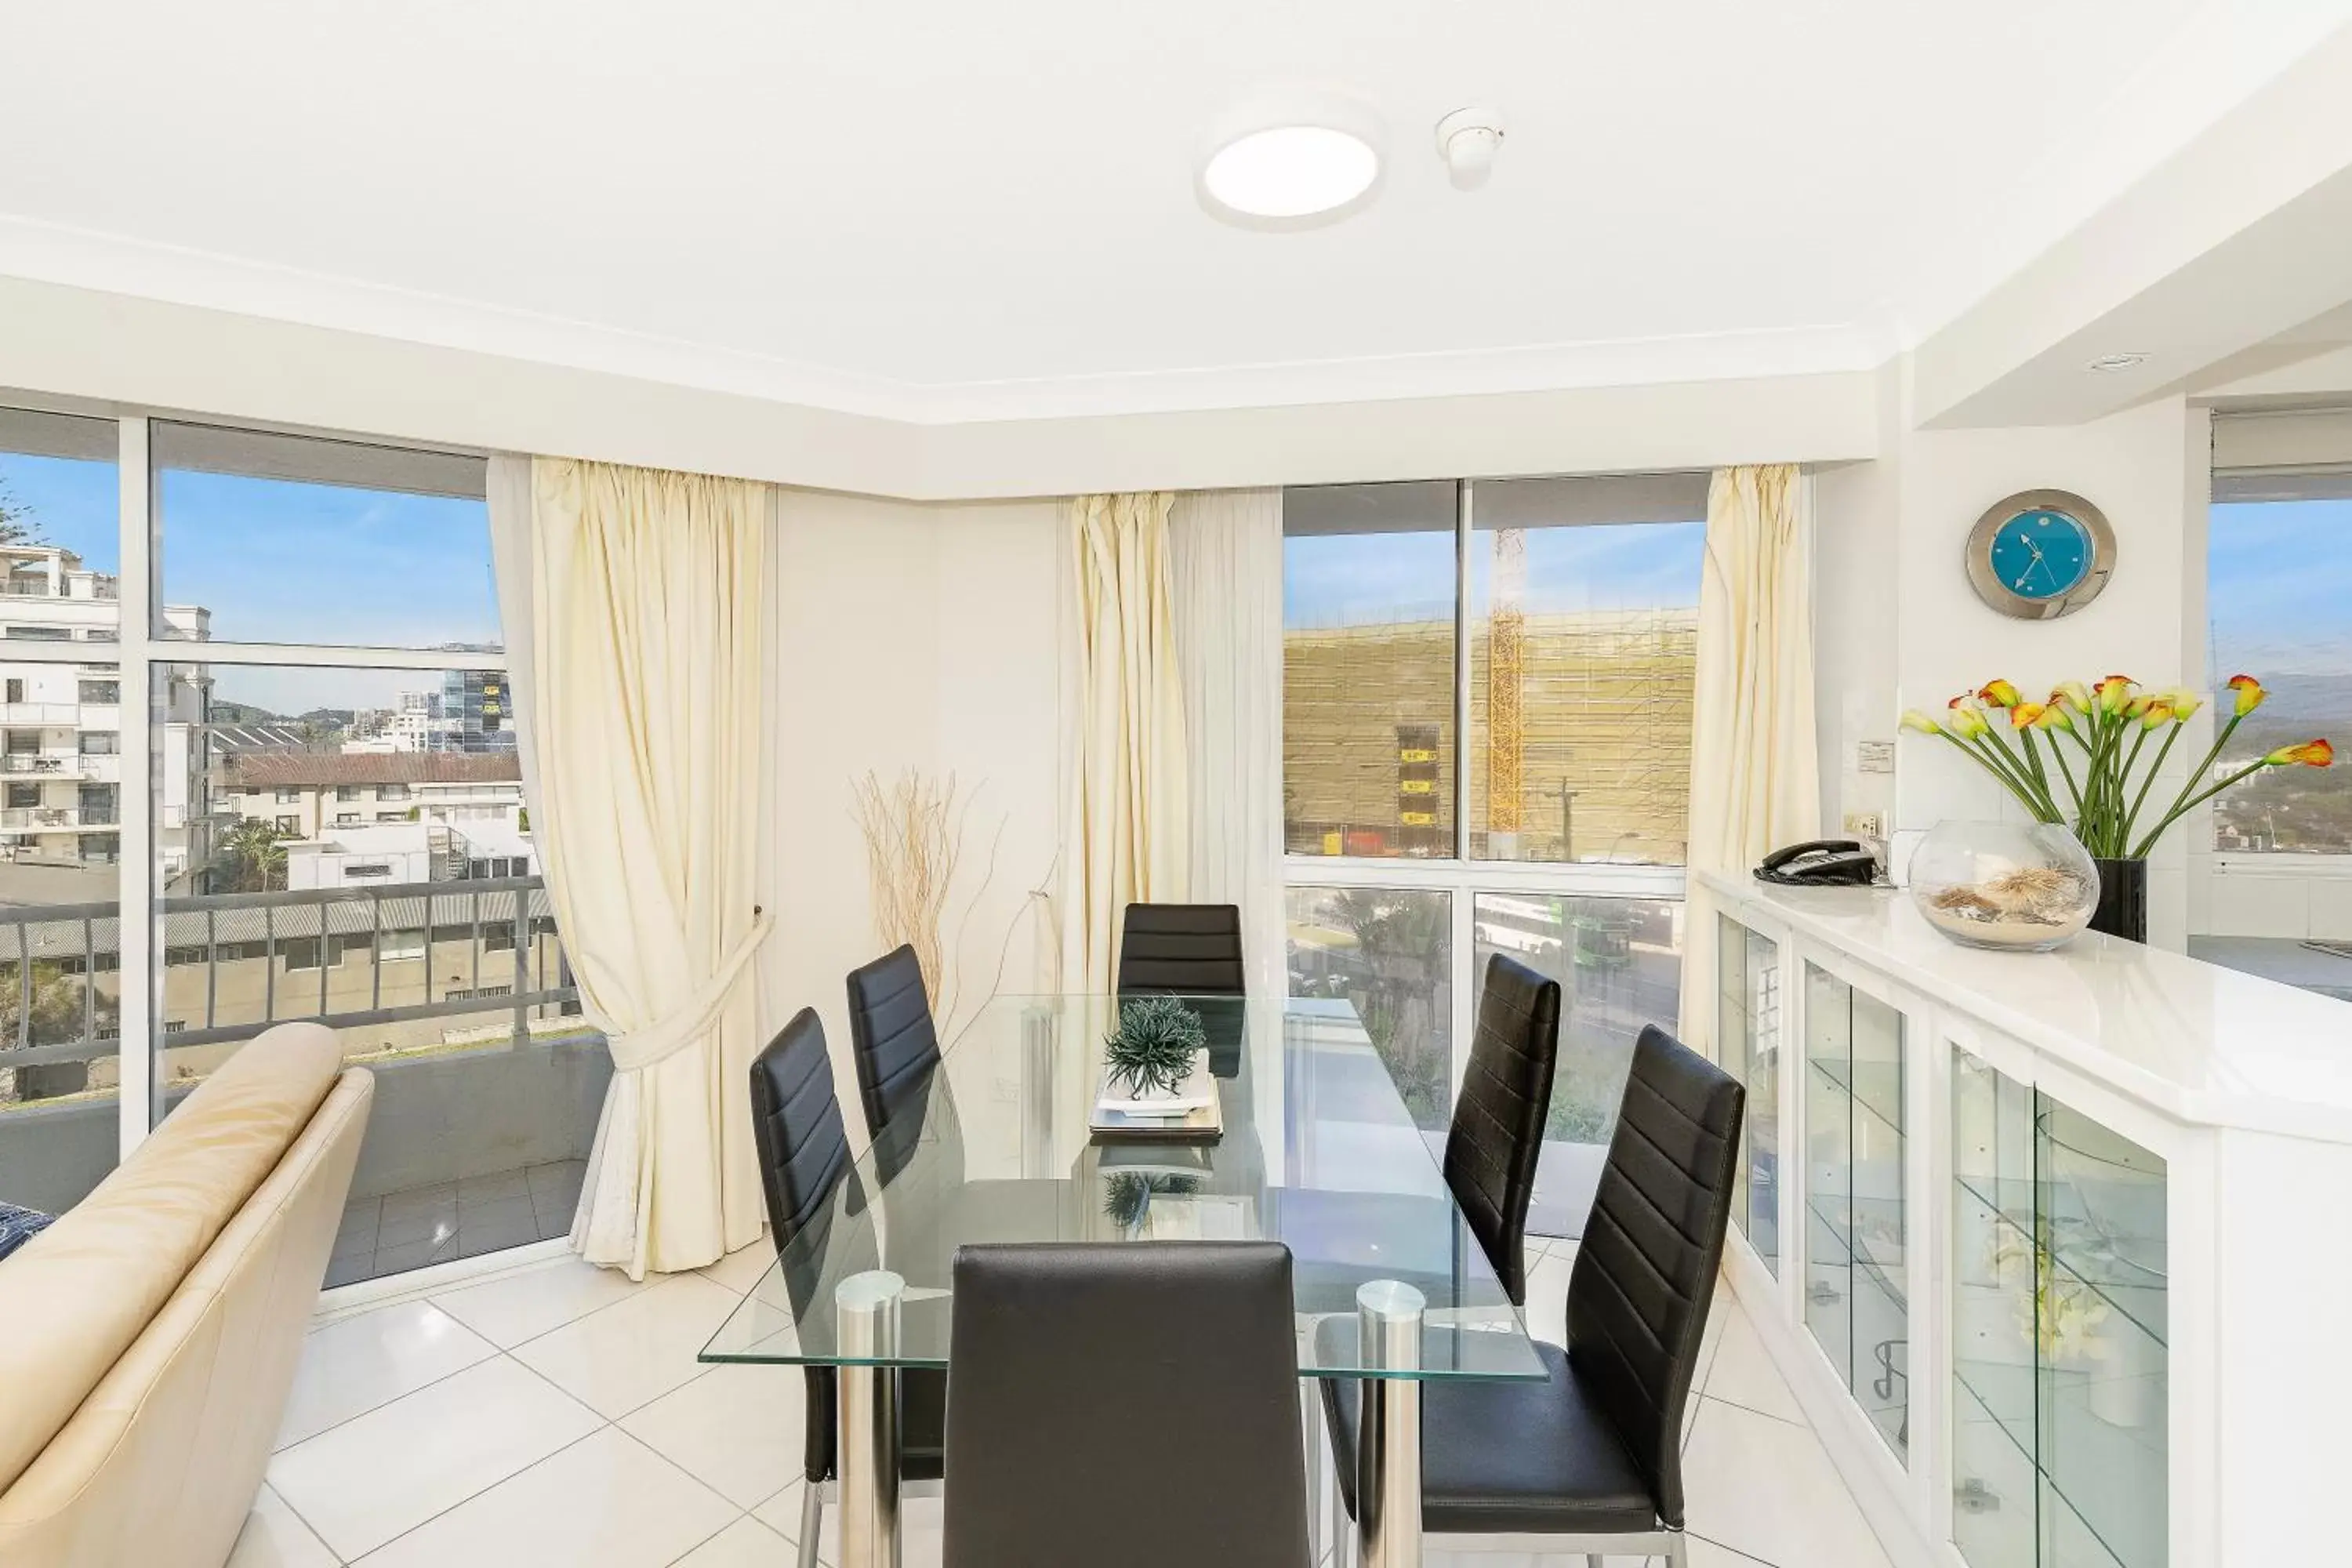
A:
1486, 712
318, 815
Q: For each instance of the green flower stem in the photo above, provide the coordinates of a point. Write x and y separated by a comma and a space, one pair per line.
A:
2072, 793
2131, 817
2180, 802
1996, 758
2193, 802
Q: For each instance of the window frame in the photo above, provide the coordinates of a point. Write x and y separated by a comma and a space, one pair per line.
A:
1459, 874
137, 652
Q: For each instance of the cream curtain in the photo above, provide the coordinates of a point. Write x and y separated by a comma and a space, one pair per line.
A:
632, 607
1225, 561
1125, 831
1755, 777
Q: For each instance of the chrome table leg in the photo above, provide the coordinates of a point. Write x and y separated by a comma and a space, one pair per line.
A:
1388, 1442
865, 1313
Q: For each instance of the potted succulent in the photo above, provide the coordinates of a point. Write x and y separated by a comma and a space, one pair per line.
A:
2103, 747
1153, 1049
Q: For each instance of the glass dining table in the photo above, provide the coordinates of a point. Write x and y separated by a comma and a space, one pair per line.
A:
1317, 1150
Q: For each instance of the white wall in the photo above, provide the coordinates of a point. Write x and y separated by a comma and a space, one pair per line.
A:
1932, 637
909, 635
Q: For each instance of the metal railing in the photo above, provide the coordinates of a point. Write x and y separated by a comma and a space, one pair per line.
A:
296, 956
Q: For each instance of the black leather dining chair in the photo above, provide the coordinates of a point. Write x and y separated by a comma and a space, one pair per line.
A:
1129, 1403
895, 1045
1495, 1139
1593, 1459
1192, 950
810, 1185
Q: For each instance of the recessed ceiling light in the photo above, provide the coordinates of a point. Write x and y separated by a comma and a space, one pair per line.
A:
2118, 362
1290, 177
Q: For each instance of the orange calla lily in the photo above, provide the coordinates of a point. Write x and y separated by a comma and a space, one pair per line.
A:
2023, 715
1998, 694
2181, 700
2073, 694
2053, 716
2250, 693
2115, 693
2156, 716
2310, 755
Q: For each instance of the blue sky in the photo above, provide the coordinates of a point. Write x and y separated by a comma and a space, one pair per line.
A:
1335, 579
279, 562
2280, 593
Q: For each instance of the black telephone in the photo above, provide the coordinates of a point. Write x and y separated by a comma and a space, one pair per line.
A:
1820, 863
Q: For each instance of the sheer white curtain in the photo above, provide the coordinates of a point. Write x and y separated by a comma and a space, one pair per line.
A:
632, 602
1125, 831
1754, 771
1225, 559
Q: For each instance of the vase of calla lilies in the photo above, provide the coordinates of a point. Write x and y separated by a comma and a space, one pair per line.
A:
2088, 758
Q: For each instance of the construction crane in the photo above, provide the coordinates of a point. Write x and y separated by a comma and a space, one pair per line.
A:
1506, 629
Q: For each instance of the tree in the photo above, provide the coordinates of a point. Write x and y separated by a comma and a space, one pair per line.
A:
53, 1016
251, 858
18, 524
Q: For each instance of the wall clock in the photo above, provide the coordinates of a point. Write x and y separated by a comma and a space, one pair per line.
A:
2041, 554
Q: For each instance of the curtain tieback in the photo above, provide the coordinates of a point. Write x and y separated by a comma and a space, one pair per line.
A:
636, 1049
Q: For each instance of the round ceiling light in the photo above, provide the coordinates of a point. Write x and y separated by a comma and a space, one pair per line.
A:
1290, 177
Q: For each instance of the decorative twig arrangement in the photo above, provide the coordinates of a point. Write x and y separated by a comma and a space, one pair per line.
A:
1152, 1050
2111, 727
914, 830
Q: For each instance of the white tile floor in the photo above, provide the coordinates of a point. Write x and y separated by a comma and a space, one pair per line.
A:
556, 1415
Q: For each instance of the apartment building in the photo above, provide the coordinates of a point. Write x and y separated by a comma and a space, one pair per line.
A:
61, 735
311, 794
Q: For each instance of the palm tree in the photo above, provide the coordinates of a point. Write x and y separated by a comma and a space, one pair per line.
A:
252, 856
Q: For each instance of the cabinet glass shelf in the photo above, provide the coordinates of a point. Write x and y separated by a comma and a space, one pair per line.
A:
2059, 1324
1748, 1043
1857, 1303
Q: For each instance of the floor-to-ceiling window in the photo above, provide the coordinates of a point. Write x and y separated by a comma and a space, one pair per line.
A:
2279, 607
60, 824
318, 815
1486, 710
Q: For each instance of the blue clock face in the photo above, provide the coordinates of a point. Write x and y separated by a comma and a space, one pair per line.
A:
2041, 553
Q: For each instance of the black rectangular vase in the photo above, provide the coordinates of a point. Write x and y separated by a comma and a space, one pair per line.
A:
2122, 900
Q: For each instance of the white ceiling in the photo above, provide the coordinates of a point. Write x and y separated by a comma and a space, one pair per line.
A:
939, 211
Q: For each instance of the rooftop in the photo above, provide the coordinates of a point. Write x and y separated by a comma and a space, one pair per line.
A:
317, 768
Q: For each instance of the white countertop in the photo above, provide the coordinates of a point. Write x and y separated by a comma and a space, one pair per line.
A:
2204, 1044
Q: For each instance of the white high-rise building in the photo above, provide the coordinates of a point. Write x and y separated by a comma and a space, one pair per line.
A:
61, 732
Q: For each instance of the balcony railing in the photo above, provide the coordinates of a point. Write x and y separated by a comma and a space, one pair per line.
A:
235, 964
43, 715
46, 819
61, 765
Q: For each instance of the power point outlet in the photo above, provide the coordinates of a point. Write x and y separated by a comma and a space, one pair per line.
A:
1865, 825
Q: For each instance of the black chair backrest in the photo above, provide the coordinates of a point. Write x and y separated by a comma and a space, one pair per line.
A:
1130, 1403
1497, 1136
891, 1034
796, 1125
1645, 1274
1190, 949
803, 1160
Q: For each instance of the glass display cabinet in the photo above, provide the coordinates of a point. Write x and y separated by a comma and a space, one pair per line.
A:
2060, 1389
1857, 1293
1748, 1043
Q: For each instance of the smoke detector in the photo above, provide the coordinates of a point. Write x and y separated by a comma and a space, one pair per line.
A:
1469, 140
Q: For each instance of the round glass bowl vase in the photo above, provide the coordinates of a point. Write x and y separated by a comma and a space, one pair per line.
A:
2022, 887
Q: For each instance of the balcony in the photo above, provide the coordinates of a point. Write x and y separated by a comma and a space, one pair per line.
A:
41, 715
104, 767
57, 818
456, 993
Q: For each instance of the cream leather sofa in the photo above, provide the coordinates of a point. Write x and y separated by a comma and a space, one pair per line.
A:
148, 1337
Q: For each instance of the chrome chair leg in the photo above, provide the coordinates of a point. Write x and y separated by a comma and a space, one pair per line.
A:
812, 1521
